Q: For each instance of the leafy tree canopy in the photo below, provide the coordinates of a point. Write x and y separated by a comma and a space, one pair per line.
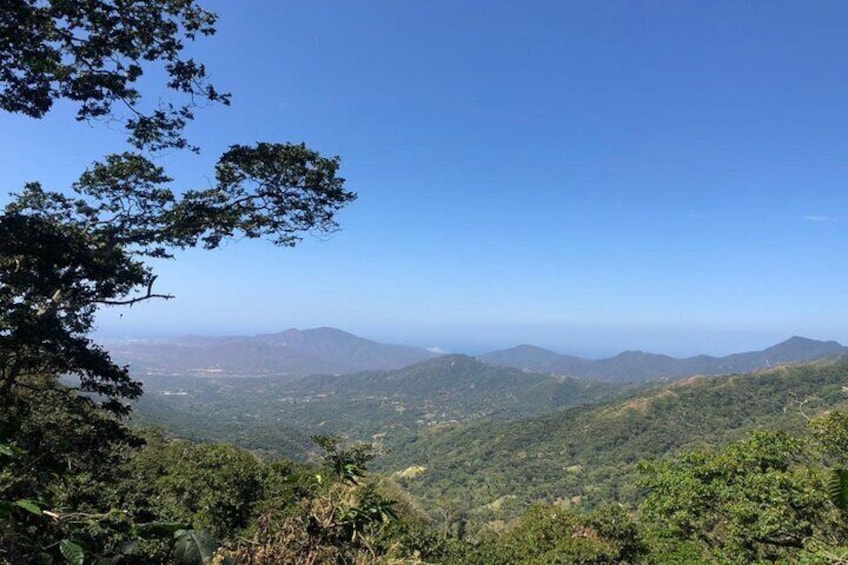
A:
64, 254
759, 500
93, 53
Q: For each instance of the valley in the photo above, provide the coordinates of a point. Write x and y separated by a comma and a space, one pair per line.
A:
489, 440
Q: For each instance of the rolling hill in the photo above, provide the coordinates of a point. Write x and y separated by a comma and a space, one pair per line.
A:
588, 454
388, 404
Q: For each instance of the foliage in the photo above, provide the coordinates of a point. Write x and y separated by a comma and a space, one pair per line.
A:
69, 485
588, 455
550, 534
837, 487
170, 501
94, 53
831, 430
759, 500
332, 517
61, 258
194, 546
209, 486
62, 455
346, 464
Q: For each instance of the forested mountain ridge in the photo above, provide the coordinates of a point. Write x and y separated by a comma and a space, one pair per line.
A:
496, 439
638, 366
589, 454
289, 354
277, 415
296, 353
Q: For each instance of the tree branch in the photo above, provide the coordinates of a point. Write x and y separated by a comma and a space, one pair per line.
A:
130, 301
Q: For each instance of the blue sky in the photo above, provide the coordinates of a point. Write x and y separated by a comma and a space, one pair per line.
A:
586, 176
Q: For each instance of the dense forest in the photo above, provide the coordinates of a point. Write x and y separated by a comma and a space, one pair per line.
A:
737, 469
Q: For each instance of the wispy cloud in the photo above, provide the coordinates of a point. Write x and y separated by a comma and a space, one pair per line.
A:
816, 218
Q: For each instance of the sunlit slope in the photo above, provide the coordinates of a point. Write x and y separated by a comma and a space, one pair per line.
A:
589, 454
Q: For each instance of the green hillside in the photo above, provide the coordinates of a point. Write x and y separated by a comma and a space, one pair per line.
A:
277, 417
587, 455
488, 441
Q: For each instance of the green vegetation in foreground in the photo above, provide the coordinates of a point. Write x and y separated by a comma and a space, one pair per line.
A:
78, 487
482, 473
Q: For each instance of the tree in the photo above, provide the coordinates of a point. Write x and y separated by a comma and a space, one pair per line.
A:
334, 516
93, 52
759, 500
211, 486
63, 255
551, 534
66, 253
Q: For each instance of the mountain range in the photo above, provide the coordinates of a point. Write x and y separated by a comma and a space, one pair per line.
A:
638, 366
295, 353
493, 439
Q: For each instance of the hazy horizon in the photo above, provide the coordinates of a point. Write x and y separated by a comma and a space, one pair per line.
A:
589, 177
581, 342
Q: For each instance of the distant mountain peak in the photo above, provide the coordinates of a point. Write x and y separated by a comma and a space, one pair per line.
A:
529, 347
797, 339
800, 340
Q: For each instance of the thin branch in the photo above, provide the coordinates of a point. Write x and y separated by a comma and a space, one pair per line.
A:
78, 516
131, 301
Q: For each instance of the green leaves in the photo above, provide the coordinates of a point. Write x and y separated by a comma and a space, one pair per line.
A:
271, 190
837, 488
72, 552
348, 465
194, 547
28, 505
94, 53
552, 534
756, 500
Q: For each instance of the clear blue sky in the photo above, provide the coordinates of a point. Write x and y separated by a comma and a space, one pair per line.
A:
586, 176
